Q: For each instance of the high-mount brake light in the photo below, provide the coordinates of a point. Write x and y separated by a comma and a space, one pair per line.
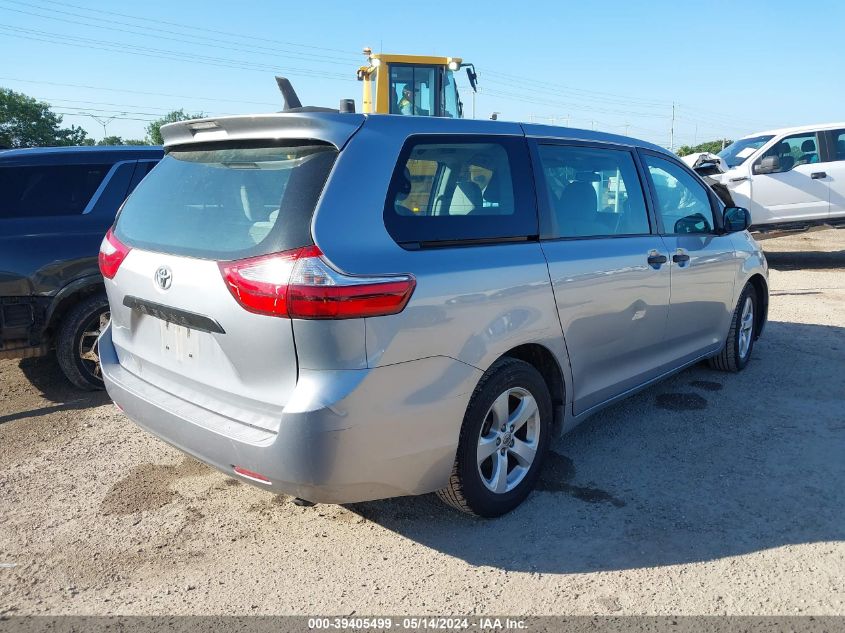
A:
300, 284
112, 254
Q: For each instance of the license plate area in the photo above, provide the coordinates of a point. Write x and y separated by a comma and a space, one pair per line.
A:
179, 342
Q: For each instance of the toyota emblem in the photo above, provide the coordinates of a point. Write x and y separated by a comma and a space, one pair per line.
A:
164, 277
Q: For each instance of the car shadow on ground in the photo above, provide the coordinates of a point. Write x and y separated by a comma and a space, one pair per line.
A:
805, 260
703, 466
50, 384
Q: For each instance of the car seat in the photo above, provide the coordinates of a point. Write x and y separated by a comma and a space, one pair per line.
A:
577, 211
787, 160
466, 198
808, 155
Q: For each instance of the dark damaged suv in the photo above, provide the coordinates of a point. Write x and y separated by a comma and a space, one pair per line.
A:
55, 206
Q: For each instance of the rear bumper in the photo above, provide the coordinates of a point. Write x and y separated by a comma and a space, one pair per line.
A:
344, 436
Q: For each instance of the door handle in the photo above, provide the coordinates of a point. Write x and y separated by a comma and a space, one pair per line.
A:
818, 174
656, 259
680, 258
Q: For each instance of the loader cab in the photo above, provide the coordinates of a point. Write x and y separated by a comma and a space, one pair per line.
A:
413, 85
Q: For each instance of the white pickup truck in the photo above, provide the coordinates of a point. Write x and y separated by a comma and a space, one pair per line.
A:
787, 178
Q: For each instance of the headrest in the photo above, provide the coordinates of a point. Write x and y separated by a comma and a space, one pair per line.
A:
808, 146
579, 197
587, 176
784, 148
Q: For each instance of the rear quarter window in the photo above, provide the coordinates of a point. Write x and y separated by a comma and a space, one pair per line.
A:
461, 188
48, 190
225, 202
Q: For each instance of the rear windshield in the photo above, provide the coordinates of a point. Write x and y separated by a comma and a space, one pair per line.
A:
228, 202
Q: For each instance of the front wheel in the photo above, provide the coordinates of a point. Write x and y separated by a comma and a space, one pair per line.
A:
503, 441
76, 342
737, 350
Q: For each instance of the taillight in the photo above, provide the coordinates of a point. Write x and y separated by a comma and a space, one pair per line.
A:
112, 254
250, 474
300, 284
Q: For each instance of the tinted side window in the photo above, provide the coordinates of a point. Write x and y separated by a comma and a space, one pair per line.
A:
461, 189
48, 190
798, 149
682, 201
591, 192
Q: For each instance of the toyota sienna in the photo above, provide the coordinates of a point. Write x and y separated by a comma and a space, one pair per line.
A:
343, 307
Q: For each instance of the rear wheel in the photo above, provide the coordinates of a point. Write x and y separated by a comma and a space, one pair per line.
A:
503, 441
737, 350
76, 342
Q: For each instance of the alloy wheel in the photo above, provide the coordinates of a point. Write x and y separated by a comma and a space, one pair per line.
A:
508, 440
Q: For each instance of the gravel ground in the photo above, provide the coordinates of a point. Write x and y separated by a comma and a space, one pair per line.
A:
707, 494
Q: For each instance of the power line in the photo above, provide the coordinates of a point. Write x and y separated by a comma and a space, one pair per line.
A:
170, 55
558, 88
81, 113
140, 92
158, 22
157, 34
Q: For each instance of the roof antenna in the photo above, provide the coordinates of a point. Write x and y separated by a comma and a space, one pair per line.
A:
288, 94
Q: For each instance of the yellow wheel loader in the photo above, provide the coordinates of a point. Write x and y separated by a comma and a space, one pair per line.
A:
413, 85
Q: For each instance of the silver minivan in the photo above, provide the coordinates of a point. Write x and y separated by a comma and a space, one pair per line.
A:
343, 307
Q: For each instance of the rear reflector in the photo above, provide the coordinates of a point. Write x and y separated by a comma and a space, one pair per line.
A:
112, 254
300, 284
243, 472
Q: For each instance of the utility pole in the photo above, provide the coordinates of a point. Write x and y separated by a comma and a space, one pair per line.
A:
672, 130
104, 121
473, 104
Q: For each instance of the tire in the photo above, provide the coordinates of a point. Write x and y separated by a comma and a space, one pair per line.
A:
506, 387
76, 347
740, 342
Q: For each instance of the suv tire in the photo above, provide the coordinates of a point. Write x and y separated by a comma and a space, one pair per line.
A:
503, 441
76, 347
737, 350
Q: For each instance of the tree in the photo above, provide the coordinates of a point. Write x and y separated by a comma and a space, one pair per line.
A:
111, 140
714, 147
119, 140
154, 128
25, 122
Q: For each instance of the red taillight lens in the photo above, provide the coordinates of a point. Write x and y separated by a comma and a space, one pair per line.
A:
112, 254
250, 474
301, 285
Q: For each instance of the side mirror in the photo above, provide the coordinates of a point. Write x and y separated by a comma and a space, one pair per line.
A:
767, 165
736, 219
472, 76
695, 223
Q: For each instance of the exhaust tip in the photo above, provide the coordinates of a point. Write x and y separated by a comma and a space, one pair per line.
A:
303, 503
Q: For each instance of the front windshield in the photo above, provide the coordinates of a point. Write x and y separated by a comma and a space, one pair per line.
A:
739, 151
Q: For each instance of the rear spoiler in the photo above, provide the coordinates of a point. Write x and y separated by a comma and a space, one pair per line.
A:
328, 127
295, 122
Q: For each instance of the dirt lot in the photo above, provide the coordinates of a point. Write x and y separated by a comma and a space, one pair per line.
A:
707, 494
